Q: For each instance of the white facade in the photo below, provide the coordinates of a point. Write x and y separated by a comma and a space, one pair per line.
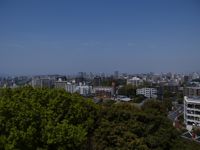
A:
123, 98
83, 89
147, 92
99, 88
60, 84
67, 86
191, 112
135, 81
195, 75
71, 88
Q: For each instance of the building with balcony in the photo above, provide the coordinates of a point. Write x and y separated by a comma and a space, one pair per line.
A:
191, 112
147, 92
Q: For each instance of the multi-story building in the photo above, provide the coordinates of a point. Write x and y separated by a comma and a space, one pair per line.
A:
171, 86
192, 91
97, 81
116, 74
147, 92
191, 112
42, 83
103, 92
135, 81
70, 87
195, 75
84, 90
60, 84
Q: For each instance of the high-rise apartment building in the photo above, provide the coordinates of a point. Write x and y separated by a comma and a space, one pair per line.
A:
192, 112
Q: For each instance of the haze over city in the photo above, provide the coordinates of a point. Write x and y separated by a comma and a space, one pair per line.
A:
100, 74
45, 37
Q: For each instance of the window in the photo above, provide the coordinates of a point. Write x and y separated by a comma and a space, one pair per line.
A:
190, 106
197, 106
197, 112
190, 123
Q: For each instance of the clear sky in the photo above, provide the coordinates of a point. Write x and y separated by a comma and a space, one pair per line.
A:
68, 36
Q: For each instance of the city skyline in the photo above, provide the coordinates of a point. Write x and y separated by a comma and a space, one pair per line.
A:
48, 37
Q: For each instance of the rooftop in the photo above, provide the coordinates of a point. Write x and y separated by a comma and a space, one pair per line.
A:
192, 99
194, 87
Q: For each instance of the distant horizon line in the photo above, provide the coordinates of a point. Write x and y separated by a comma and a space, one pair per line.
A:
94, 73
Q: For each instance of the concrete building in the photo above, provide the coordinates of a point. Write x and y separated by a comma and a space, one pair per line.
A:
171, 86
60, 84
135, 81
84, 90
195, 75
42, 83
103, 92
191, 112
67, 86
97, 81
70, 87
116, 74
192, 91
147, 92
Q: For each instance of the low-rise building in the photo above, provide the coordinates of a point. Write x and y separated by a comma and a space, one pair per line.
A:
123, 98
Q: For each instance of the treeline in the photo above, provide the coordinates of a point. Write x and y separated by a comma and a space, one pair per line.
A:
50, 119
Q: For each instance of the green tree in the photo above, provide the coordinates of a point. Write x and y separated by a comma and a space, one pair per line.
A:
45, 119
124, 126
128, 90
48, 119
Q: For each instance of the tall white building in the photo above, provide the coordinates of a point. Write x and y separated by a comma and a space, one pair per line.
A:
70, 87
191, 112
147, 92
83, 89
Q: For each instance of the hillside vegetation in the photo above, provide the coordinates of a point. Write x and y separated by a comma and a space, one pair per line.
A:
50, 119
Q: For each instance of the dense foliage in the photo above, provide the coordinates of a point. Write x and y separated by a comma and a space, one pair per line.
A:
46, 119
125, 127
128, 90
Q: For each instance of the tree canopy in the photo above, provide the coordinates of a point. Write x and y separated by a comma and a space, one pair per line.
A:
49, 119
128, 90
44, 119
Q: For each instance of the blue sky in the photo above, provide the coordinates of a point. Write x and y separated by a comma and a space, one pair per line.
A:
46, 37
